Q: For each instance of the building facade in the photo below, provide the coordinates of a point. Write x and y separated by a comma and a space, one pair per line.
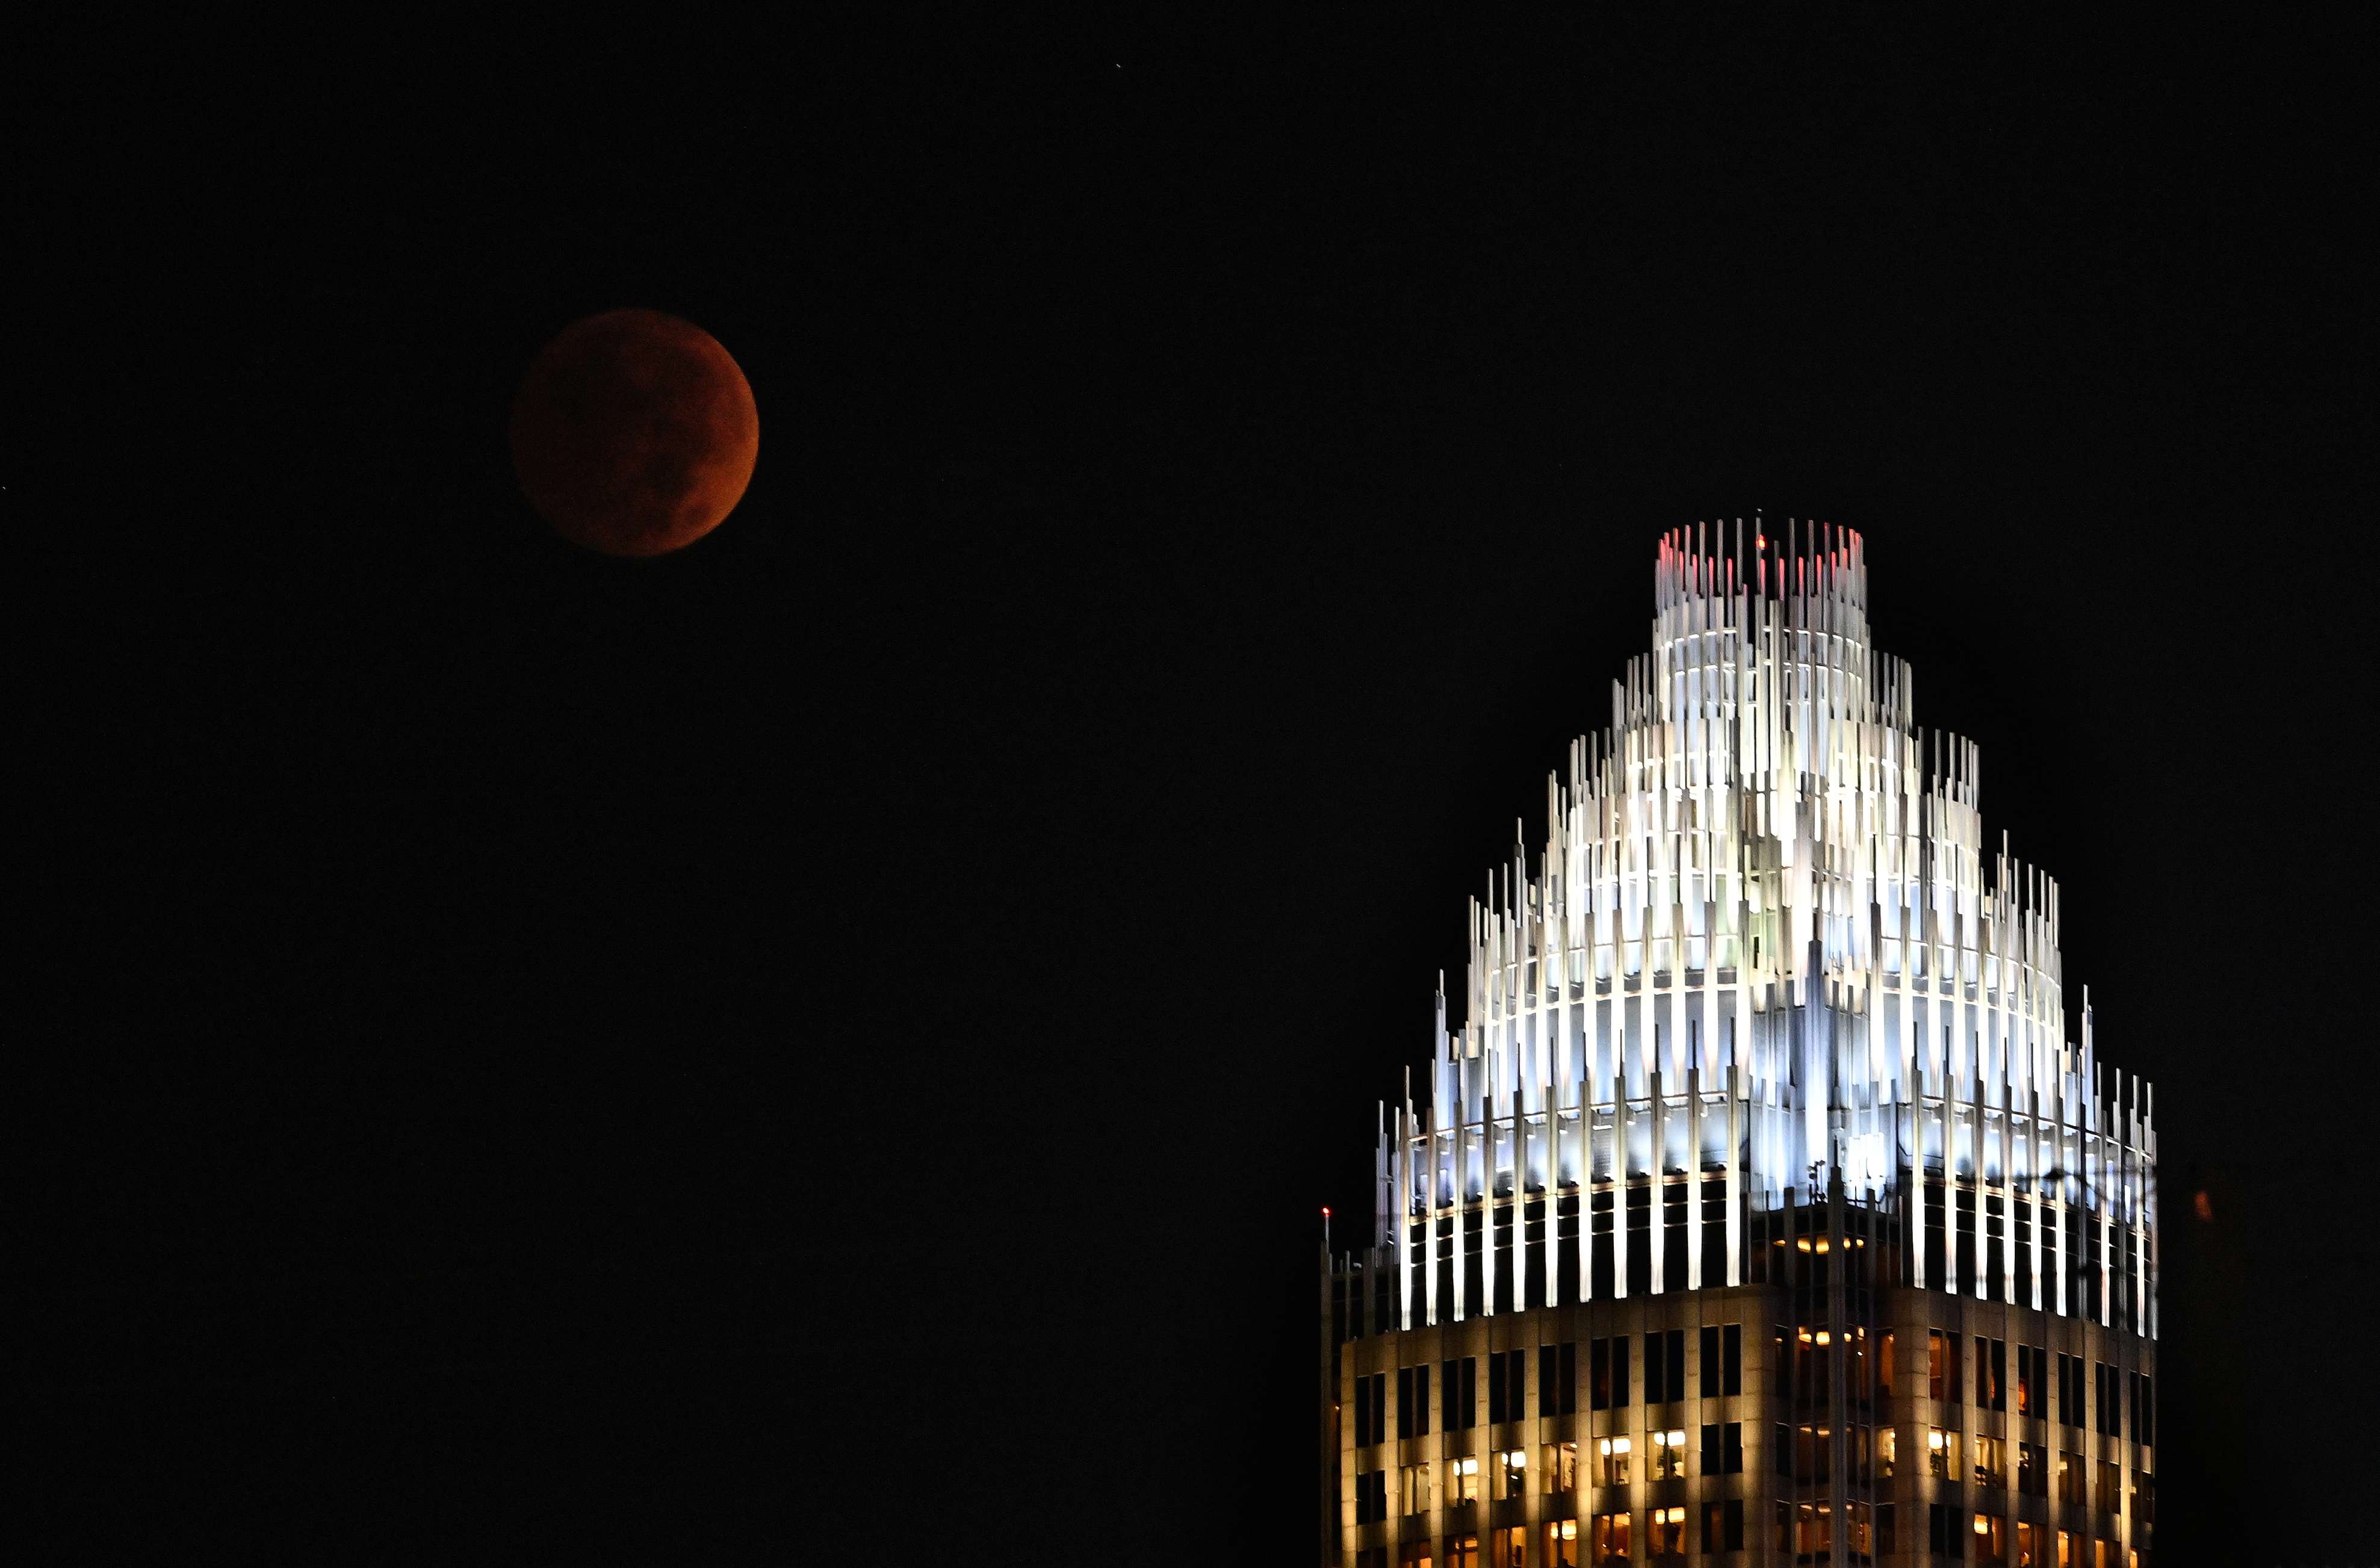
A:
1759, 1209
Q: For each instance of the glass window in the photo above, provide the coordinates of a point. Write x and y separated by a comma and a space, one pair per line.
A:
2109, 1493
1887, 1450
1723, 1525
1558, 1378
2070, 1473
1991, 1374
1668, 1456
1665, 1530
1376, 1431
1508, 1388
1561, 1544
2033, 1469
1942, 1454
1412, 1489
1814, 1458
1461, 1482
1610, 1539
1606, 1370
1991, 1537
1512, 1473
1991, 1461
1462, 1393
1613, 1452
1505, 1548
1463, 1551
1815, 1530
1413, 1402
1558, 1463
2032, 1545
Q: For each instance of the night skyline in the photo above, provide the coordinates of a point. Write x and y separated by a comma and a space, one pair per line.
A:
480, 995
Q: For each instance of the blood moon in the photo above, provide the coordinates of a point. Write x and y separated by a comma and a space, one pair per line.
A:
634, 433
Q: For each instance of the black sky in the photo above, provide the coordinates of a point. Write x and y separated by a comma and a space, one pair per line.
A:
840, 1036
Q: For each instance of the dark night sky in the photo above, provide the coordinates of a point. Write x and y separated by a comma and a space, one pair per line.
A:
840, 1035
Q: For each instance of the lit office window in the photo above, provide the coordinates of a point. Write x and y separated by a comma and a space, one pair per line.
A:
1461, 1482
1412, 1489
1888, 1451
1668, 1456
1557, 1462
1942, 1454
1665, 1531
1512, 1473
1613, 1454
1610, 1539
1463, 1551
1506, 1548
1991, 1461
2032, 1381
1561, 1544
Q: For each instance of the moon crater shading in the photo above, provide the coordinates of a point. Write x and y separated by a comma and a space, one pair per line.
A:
634, 433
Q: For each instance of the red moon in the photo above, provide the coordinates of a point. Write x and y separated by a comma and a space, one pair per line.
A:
634, 433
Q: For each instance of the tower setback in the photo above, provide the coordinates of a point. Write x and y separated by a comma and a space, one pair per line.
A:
1759, 1209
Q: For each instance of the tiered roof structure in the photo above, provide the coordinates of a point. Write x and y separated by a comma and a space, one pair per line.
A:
1764, 940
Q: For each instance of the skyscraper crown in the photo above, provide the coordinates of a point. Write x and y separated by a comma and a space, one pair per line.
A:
1763, 936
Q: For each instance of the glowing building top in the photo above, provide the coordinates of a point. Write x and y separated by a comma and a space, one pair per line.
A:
1765, 945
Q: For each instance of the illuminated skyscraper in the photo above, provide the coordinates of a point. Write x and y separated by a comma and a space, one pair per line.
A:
1758, 1207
